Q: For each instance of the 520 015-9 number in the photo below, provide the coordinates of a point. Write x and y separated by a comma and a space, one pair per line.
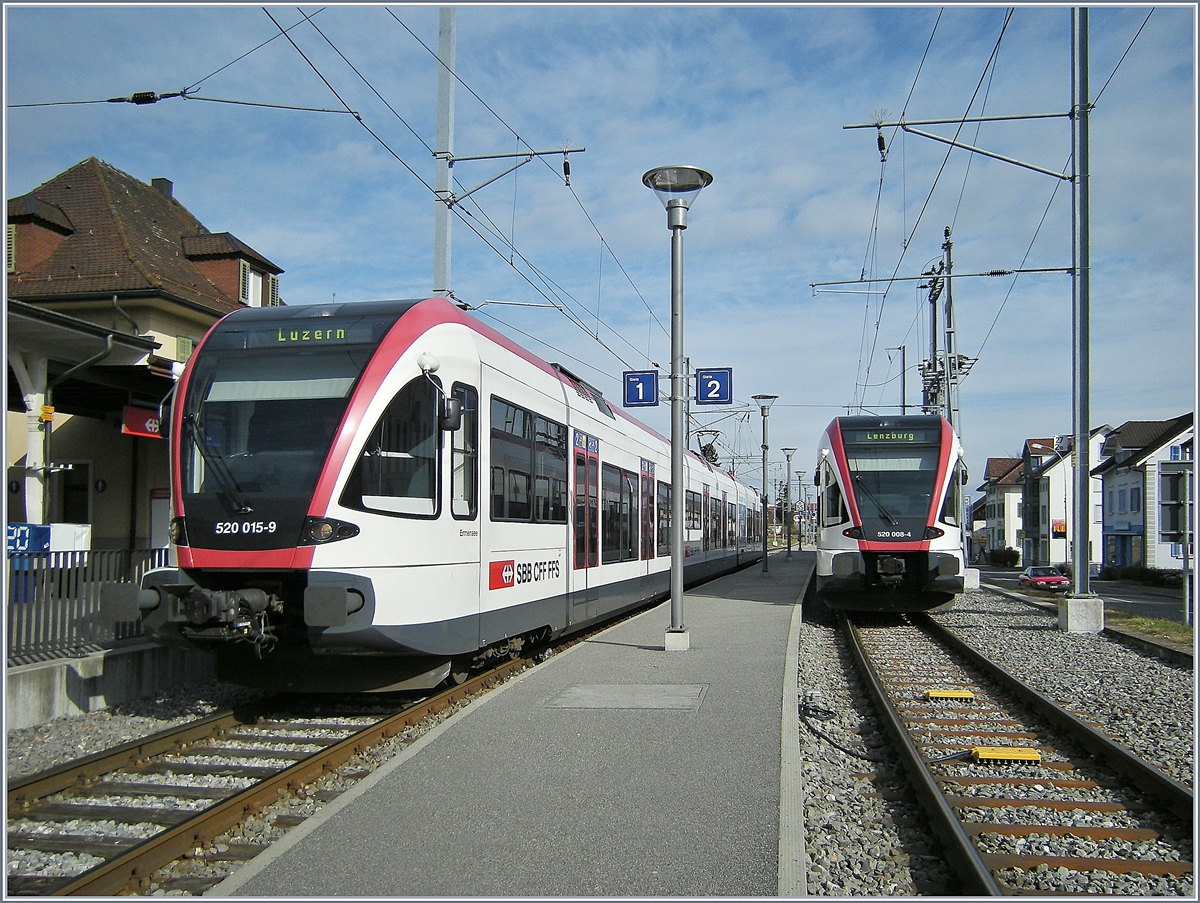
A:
230, 528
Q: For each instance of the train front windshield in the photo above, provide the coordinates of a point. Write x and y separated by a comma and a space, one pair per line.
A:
264, 400
893, 475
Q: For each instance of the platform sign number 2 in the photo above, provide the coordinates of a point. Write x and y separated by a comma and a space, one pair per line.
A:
714, 386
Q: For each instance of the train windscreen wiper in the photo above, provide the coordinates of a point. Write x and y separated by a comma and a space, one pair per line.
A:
887, 515
220, 469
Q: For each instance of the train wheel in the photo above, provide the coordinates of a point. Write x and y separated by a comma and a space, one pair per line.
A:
460, 670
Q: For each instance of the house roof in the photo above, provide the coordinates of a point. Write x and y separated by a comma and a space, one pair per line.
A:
1001, 472
1140, 438
122, 236
28, 208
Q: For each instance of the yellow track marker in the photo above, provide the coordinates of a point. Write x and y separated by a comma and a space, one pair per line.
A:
949, 694
1006, 754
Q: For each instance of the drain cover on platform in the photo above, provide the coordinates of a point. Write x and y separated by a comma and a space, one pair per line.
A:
630, 696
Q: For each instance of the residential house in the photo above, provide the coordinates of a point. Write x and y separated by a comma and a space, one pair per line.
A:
1146, 473
111, 282
1048, 500
1002, 514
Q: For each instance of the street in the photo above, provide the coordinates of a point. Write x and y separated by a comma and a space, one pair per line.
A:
1148, 601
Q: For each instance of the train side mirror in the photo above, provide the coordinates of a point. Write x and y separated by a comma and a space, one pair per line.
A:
964, 476
450, 415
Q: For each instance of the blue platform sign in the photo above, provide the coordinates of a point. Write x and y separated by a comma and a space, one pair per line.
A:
714, 385
23, 539
641, 388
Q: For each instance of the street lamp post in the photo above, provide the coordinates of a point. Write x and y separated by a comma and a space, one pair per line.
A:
764, 406
787, 499
803, 502
677, 187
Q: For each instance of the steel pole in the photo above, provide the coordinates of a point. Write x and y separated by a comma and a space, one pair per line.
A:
1081, 306
677, 222
766, 412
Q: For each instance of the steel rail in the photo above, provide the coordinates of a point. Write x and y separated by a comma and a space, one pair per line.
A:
79, 772
134, 867
1175, 795
977, 878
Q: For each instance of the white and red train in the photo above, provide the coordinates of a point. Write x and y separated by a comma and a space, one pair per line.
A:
889, 514
381, 494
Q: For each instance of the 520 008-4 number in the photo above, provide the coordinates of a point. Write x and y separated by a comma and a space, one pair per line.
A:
229, 528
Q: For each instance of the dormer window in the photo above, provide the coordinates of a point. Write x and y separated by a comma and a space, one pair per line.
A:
256, 289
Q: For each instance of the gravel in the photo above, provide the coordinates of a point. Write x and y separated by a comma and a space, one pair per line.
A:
866, 834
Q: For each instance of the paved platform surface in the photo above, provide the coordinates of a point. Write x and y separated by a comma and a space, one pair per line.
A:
613, 769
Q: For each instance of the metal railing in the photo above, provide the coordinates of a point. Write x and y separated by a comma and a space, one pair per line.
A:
54, 600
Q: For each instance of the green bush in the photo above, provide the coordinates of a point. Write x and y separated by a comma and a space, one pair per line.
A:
1004, 557
1140, 574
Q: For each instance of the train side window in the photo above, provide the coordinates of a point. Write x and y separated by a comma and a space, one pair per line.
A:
397, 470
464, 456
953, 502
692, 518
619, 499
664, 518
833, 506
550, 472
512, 458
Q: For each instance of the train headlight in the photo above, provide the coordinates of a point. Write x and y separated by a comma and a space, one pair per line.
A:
934, 532
320, 530
177, 530
853, 533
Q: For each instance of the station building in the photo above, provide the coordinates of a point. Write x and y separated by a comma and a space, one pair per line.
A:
111, 283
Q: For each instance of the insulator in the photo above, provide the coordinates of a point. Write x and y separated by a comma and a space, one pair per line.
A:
882, 148
566, 169
144, 97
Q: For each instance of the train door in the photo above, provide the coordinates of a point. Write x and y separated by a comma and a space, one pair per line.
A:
647, 512
585, 596
705, 518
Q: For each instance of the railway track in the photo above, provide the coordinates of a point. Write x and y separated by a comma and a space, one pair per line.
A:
1024, 796
114, 818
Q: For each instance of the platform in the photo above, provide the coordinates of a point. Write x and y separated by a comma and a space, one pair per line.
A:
615, 768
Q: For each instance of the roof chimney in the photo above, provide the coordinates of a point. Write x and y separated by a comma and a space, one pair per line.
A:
163, 185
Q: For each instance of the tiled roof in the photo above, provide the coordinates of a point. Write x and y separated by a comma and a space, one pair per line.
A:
223, 244
127, 237
1141, 438
997, 468
27, 208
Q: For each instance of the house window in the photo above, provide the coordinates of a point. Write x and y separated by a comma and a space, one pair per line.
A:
1122, 500
257, 289
183, 348
12, 249
1135, 500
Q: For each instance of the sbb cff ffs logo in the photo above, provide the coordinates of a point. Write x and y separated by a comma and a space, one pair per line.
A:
503, 574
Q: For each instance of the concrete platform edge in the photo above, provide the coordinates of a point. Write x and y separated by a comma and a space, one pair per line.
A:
42, 691
793, 872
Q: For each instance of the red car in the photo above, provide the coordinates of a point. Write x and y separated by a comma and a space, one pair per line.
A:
1044, 577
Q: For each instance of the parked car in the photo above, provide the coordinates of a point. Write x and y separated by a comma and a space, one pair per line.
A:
1044, 577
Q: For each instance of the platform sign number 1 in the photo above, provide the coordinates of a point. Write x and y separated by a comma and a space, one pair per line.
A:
641, 388
714, 386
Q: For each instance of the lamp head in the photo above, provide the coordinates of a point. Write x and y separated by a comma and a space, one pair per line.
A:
678, 184
764, 402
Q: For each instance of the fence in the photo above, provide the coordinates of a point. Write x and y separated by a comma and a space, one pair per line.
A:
54, 600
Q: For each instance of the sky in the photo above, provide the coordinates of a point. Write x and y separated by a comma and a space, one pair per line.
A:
759, 97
